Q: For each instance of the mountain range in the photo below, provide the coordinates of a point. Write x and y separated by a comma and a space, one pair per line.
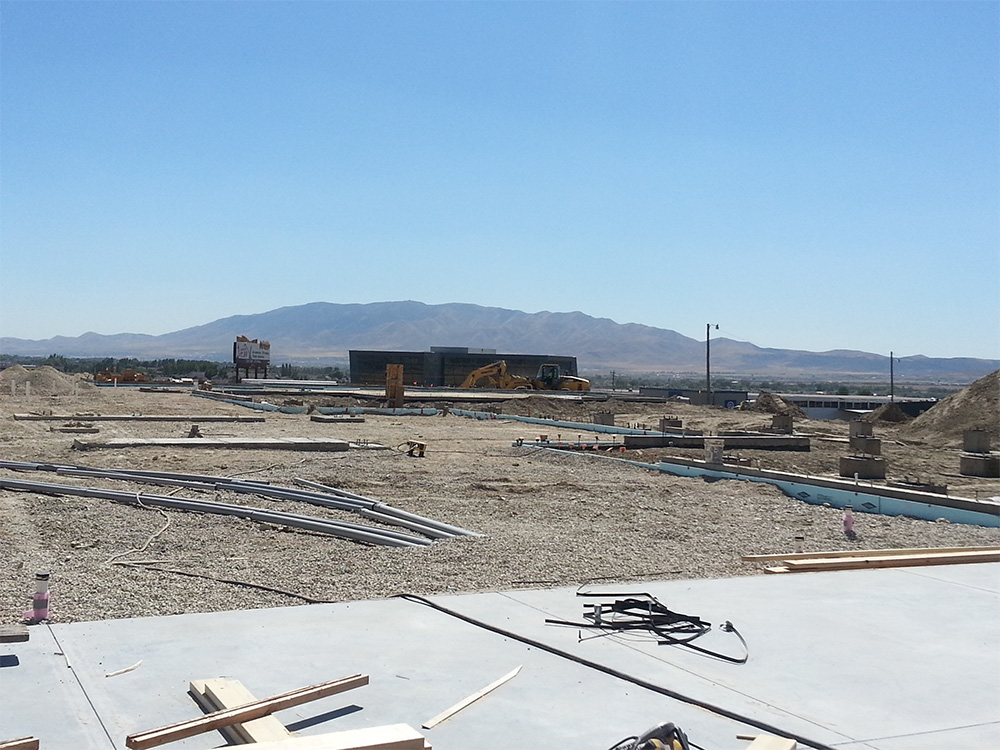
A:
324, 332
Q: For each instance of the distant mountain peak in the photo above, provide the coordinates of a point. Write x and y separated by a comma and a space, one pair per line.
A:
324, 332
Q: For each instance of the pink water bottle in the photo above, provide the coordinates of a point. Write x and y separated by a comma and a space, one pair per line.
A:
849, 522
40, 600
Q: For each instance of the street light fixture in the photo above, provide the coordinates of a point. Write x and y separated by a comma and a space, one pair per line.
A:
708, 361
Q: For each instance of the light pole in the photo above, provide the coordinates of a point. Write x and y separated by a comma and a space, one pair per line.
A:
708, 361
892, 378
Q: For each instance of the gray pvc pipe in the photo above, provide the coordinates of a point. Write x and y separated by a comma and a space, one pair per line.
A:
369, 509
350, 531
392, 510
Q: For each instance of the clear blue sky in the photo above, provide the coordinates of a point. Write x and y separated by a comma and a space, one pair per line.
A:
809, 175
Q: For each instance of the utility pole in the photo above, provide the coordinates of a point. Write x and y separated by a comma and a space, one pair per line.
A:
708, 361
892, 379
612, 380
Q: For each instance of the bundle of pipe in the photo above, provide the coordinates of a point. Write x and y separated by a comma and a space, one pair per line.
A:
208, 479
385, 510
356, 532
330, 497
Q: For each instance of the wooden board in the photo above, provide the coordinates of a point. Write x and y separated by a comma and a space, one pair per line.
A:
388, 737
771, 742
219, 694
865, 553
894, 561
448, 712
288, 444
14, 633
196, 418
241, 714
22, 743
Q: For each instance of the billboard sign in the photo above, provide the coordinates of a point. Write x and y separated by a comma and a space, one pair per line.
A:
251, 352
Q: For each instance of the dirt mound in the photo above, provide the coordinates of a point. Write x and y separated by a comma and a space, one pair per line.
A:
45, 381
976, 407
549, 408
770, 403
887, 413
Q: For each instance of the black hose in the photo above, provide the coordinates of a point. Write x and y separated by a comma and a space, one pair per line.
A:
719, 710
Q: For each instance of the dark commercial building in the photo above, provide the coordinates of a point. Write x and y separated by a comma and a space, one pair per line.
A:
446, 366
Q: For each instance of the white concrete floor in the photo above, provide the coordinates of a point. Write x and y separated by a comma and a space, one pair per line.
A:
892, 659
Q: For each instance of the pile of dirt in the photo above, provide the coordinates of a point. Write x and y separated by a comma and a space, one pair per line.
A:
44, 381
976, 407
547, 408
887, 413
770, 403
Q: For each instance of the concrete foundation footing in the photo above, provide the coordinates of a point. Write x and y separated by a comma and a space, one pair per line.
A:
979, 466
871, 446
864, 467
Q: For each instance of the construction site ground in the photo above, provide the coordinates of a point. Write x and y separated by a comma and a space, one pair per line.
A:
894, 659
547, 519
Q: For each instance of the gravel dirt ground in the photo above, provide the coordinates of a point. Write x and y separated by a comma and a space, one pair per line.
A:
546, 519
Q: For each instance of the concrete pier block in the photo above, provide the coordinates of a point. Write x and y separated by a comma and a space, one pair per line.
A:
781, 424
604, 418
859, 428
670, 424
865, 467
976, 441
713, 450
869, 446
979, 466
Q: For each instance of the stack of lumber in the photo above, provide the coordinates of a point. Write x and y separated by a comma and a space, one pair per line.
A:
799, 562
245, 720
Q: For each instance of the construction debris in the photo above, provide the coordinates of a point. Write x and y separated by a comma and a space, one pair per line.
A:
125, 670
24, 743
887, 558
17, 633
644, 615
336, 418
388, 737
220, 694
414, 448
449, 712
240, 714
76, 427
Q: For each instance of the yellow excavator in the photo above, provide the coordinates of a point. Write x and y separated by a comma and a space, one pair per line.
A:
125, 376
549, 378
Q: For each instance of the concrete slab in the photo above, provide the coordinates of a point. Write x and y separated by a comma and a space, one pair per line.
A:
901, 659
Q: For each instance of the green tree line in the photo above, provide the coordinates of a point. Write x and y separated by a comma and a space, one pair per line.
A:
170, 368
